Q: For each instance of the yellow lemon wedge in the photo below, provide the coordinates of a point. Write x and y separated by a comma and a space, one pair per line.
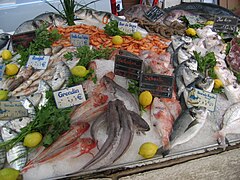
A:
9, 174
148, 150
145, 98
117, 40
80, 71
32, 139
11, 69
191, 32
6, 55
137, 35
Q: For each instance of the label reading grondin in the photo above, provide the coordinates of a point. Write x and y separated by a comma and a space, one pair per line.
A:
198, 97
11, 110
38, 62
69, 97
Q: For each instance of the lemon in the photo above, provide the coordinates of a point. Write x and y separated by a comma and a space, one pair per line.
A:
80, 71
3, 95
32, 139
117, 40
217, 83
191, 32
209, 23
148, 150
9, 174
6, 54
137, 35
145, 98
11, 69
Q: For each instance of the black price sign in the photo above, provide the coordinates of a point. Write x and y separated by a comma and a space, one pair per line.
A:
127, 66
158, 85
23, 39
154, 13
225, 24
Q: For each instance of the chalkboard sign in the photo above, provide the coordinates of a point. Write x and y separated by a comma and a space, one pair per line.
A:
225, 24
129, 67
154, 13
158, 85
22, 39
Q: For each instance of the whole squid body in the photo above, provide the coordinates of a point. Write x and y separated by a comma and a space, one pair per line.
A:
186, 127
230, 124
97, 104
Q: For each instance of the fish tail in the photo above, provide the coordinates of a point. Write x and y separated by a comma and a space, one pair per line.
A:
221, 139
162, 151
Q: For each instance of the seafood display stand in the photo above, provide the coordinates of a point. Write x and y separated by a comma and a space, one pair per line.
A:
194, 133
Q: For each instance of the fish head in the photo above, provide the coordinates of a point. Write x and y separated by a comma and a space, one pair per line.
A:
198, 112
87, 144
7, 133
35, 98
43, 86
206, 84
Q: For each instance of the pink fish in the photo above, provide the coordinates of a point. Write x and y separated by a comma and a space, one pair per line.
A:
162, 119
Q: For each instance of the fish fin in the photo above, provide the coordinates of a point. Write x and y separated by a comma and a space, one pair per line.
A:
222, 140
193, 123
162, 151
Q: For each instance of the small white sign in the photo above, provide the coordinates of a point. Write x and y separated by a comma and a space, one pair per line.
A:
2, 69
69, 97
38, 62
79, 40
127, 27
198, 97
11, 110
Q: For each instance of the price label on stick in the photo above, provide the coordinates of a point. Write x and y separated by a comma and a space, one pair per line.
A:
38, 62
127, 27
2, 69
69, 97
225, 24
154, 13
12, 109
158, 85
198, 97
79, 40
127, 66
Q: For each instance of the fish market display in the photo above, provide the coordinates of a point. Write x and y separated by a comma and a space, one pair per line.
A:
76, 103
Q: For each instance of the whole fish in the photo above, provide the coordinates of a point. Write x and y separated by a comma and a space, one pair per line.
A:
49, 18
26, 26
230, 123
207, 84
2, 155
17, 155
187, 126
29, 106
4, 38
73, 150
112, 131
67, 138
162, 119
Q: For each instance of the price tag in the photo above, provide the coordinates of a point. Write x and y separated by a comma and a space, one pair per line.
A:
158, 85
225, 24
11, 110
79, 40
22, 39
2, 69
154, 13
127, 27
127, 66
198, 97
38, 62
69, 97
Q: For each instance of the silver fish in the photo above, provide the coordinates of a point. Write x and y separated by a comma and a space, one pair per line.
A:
26, 26
206, 84
4, 38
16, 156
18, 124
29, 106
42, 89
2, 155
50, 18
174, 15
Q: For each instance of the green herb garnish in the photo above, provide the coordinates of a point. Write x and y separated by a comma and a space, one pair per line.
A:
133, 87
49, 121
112, 29
206, 63
44, 39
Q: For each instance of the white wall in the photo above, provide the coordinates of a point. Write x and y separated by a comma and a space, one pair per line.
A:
12, 15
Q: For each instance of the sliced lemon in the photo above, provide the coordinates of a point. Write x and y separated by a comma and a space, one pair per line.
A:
32, 139
117, 40
80, 71
148, 150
